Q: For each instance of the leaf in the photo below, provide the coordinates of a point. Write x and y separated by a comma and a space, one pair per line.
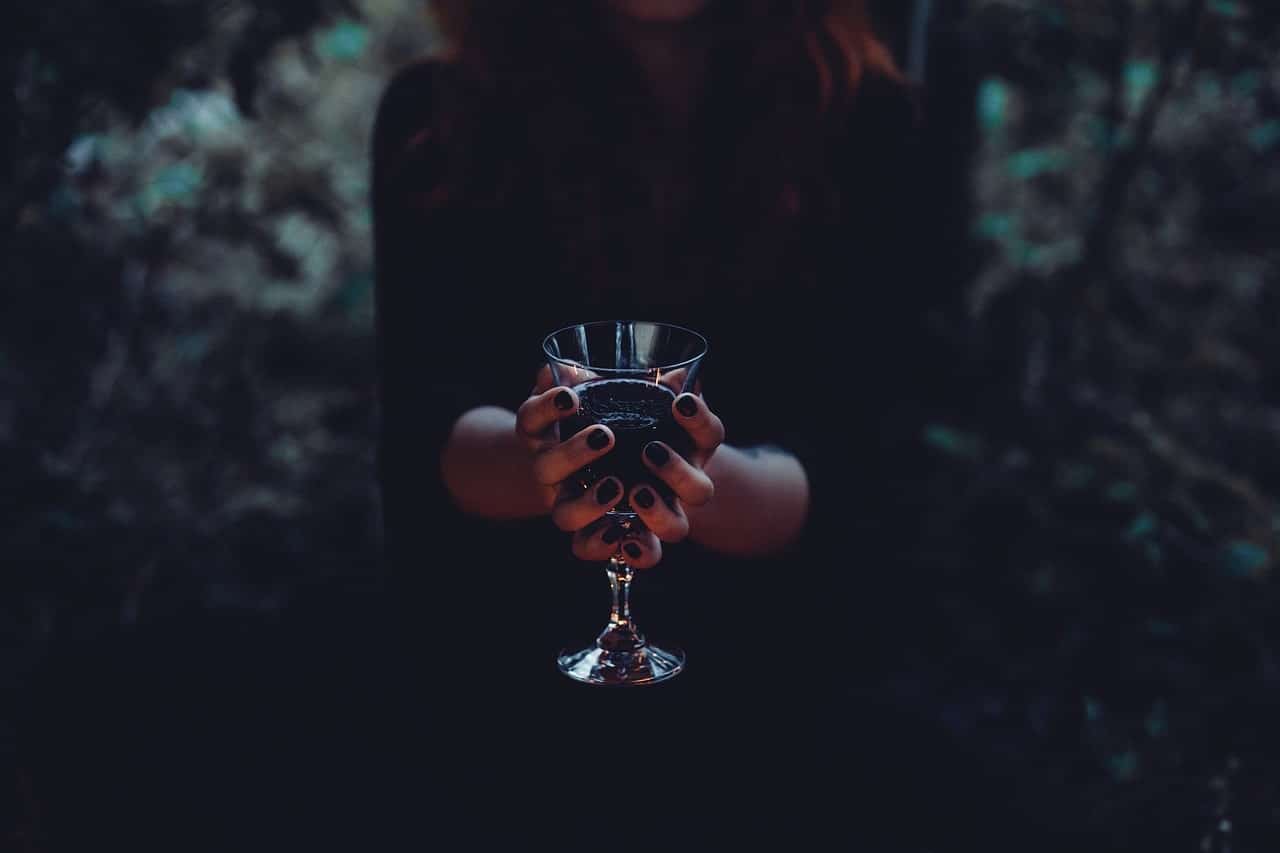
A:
346, 40
1124, 766
1033, 162
1122, 491
1139, 79
1142, 527
993, 104
1265, 136
1157, 721
1245, 559
952, 442
1227, 9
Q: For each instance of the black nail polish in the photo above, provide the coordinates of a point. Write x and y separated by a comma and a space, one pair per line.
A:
564, 401
608, 491
644, 497
657, 454
598, 440
687, 406
613, 534
633, 550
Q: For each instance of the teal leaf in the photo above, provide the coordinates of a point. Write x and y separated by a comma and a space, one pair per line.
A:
1139, 79
1161, 628
1142, 527
951, 442
1124, 766
346, 40
1246, 83
1157, 721
993, 104
1122, 492
193, 347
995, 226
1226, 8
1265, 136
1033, 162
1245, 559
174, 184
1092, 709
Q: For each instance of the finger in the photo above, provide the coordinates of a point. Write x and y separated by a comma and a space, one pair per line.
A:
690, 483
539, 413
598, 542
642, 550
701, 423
557, 461
669, 524
576, 513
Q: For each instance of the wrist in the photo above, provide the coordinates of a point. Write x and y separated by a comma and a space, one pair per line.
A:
488, 470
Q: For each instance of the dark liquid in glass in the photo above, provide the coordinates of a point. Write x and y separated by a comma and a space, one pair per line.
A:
638, 411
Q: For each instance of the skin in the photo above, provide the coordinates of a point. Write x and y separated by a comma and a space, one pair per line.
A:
501, 464
506, 465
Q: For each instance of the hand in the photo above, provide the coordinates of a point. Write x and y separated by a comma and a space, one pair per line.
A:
687, 478
572, 509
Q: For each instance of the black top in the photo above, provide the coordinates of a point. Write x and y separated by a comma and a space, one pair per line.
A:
821, 351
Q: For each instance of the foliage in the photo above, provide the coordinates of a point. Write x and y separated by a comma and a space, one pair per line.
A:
186, 365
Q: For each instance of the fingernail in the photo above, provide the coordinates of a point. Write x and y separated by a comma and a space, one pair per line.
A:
687, 406
598, 440
564, 401
644, 497
613, 534
657, 454
607, 491
633, 550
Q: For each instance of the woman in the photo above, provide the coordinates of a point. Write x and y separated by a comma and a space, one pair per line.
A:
737, 167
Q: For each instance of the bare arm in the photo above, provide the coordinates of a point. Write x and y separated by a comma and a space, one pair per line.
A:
760, 503
759, 506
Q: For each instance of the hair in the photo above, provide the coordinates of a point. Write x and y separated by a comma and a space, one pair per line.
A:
789, 69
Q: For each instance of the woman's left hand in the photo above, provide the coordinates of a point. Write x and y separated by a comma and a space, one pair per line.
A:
688, 479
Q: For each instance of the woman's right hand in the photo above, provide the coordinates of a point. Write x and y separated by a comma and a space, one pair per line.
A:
554, 464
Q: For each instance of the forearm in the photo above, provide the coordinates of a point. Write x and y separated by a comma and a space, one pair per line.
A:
760, 503
487, 468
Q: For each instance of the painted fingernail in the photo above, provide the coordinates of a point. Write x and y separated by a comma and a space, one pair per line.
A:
598, 440
613, 534
644, 497
657, 454
687, 406
607, 491
564, 401
633, 550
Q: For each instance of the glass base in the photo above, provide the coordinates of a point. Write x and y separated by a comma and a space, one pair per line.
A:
646, 665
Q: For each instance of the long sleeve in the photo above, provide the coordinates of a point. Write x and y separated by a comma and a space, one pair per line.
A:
442, 339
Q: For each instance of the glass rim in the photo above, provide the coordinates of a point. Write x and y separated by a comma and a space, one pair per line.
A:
664, 368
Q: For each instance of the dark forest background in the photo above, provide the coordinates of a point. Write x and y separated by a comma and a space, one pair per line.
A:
186, 369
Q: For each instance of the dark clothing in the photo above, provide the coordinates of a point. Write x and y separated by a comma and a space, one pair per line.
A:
819, 349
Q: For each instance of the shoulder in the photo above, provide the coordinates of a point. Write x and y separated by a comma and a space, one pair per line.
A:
406, 112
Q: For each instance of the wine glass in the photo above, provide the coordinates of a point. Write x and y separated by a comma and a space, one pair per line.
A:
626, 374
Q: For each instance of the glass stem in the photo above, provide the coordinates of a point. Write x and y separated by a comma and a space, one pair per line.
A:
620, 638
620, 575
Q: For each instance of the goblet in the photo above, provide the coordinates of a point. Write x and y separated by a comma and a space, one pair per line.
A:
627, 374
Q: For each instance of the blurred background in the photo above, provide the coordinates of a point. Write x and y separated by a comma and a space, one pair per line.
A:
187, 376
